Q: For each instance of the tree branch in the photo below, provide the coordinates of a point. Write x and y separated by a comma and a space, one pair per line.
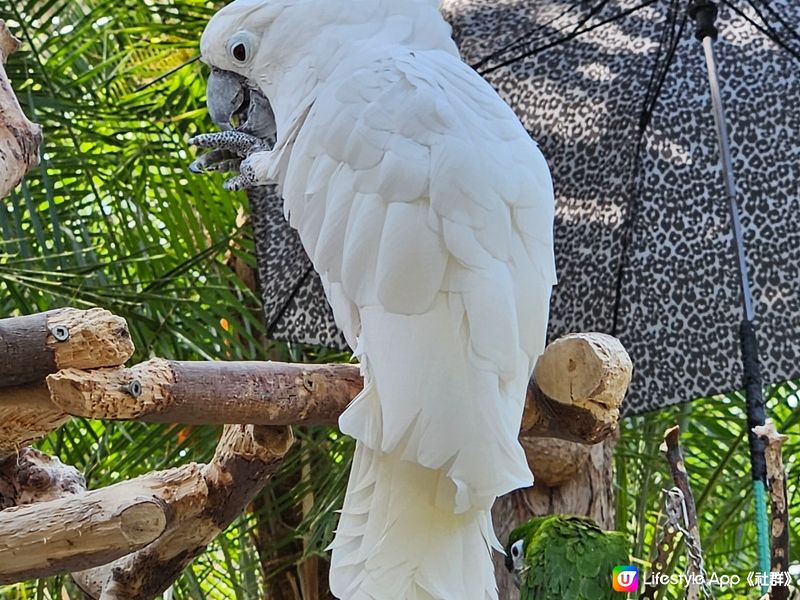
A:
26, 414
19, 138
578, 387
245, 458
680, 477
53, 511
776, 478
33, 346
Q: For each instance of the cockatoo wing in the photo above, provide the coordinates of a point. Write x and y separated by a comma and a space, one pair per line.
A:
427, 210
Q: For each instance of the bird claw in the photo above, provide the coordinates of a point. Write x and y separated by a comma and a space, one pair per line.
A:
229, 150
245, 180
216, 160
236, 142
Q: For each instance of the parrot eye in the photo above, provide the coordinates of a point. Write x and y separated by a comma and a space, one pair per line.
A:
239, 52
240, 46
516, 549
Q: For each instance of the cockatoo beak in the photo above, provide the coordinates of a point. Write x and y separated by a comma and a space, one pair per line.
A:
245, 117
230, 95
225, 94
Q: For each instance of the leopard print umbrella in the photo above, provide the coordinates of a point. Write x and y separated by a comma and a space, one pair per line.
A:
615, 92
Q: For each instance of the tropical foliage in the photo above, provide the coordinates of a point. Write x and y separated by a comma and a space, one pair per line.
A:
113, 218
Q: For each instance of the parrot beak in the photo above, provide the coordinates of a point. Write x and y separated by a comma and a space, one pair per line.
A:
237, 106
509, 562
225, 96
230, 96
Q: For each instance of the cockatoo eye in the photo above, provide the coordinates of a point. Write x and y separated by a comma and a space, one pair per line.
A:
241, 46
239, 52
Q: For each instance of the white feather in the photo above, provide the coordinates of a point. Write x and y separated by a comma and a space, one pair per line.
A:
428, 212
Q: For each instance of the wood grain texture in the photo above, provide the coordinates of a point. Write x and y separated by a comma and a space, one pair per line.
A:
33, 346
57, 526
19, 137
245, 458
579, 384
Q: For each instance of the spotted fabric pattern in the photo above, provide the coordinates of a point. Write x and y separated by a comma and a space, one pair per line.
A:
295, 308
616, 94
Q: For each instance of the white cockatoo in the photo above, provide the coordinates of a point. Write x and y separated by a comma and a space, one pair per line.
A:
428, 212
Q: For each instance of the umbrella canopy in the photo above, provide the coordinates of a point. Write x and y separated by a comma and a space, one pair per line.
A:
616, 93
295, 309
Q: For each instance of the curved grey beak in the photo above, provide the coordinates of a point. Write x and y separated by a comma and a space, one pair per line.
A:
245, 117
225, 95
230, 95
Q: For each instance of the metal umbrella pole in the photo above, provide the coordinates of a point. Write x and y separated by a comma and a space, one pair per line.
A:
704, 13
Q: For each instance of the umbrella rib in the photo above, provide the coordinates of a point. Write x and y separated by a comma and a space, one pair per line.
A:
569, 37
765, 30
651, 98
653, 92
281, 310
765, 4
521, 41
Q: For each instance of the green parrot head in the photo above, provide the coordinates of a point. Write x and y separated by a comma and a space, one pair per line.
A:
518, 540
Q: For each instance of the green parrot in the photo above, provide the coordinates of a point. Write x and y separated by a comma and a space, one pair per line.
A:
559, 557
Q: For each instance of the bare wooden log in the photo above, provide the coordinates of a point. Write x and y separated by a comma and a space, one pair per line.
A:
669, 535
19, 138
214, 393
245, 458
31, 476
26, 414
680, 477
577, 388
33, 346
580, 382
39, 539
554, 462
776, 479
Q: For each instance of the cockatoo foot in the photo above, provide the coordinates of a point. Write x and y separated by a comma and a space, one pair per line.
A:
230, 152
216, 160
235, 142
245, 180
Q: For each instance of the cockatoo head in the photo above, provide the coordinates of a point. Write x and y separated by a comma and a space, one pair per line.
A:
270, 58
230, 45
274, 47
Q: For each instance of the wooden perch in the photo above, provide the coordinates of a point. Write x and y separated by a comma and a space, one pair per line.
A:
683, 520
51, 510
63, 535
680, 477
19, 138
31, 476
245, 458
776, 479
34, 346
137, 536
578, 387
26, 414
57, 526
